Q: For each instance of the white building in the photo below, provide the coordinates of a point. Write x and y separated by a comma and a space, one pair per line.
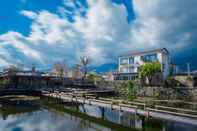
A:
128, 64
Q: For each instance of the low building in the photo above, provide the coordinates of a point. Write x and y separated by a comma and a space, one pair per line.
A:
108, 77
129, 64
32, 79
20, 78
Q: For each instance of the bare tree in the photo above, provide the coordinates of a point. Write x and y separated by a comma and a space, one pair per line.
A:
12, 69
77, 71
60, 69
84, 63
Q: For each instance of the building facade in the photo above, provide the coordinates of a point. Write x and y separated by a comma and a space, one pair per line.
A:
129, 64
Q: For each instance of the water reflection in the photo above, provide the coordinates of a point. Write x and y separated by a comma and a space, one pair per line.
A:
133, 120
50, 121
119, 117
48, 115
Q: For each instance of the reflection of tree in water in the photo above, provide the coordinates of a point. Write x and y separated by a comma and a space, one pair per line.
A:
151, 124
83, 108
102, 110
83, 124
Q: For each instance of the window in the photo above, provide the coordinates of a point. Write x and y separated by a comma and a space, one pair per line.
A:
123, 70
125, 77
123, 61
131, 60
131, 69
149, 58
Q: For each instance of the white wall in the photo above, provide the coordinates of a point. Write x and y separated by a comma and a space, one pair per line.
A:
166, 62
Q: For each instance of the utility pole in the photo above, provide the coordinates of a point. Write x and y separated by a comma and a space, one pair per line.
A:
188, 69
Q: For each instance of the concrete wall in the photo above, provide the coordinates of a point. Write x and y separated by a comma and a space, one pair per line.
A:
185, 80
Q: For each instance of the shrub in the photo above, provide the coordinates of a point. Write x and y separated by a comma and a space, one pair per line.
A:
131, 90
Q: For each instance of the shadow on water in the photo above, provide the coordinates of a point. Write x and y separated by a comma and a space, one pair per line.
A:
69, 116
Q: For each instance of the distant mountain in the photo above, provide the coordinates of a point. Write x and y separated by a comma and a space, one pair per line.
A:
104, 68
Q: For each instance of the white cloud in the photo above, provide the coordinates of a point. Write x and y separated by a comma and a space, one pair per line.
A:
29, 14
69, 3
104, 32
164, 23
104, 27
52, 38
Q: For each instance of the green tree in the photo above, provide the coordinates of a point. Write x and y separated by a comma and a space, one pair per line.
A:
148, 70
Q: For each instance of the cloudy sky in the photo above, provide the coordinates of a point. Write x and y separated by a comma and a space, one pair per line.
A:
41, 32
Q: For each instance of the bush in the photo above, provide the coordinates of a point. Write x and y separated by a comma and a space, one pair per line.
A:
3, 82
131, 90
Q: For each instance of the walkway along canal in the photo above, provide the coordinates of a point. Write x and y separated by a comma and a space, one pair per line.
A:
158, 112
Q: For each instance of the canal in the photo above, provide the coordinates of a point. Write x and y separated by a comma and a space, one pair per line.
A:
28, 113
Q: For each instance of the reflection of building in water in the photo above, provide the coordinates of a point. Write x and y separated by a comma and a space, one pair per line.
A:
16, 108
138, 123
123, 118
115, 116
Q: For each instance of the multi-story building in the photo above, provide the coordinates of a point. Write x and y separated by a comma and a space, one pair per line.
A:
129, 64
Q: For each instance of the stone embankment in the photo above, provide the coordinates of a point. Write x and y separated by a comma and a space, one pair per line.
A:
189, 94
160, 92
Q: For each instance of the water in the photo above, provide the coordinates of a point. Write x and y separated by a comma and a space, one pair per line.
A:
43, 114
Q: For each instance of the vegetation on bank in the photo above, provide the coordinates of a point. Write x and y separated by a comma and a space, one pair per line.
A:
145, 86
3, 82
94, 77
126, 90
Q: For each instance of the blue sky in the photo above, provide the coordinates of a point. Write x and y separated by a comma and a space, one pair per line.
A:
11, 19
41, 32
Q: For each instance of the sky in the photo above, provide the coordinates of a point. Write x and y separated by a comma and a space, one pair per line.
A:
42, 32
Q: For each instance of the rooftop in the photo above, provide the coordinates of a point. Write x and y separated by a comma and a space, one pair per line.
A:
164, 50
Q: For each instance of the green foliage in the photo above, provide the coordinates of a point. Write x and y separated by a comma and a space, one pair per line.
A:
131, 90
120, 89
3, 82
126, 90
94, 77
149, 69
171, 82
